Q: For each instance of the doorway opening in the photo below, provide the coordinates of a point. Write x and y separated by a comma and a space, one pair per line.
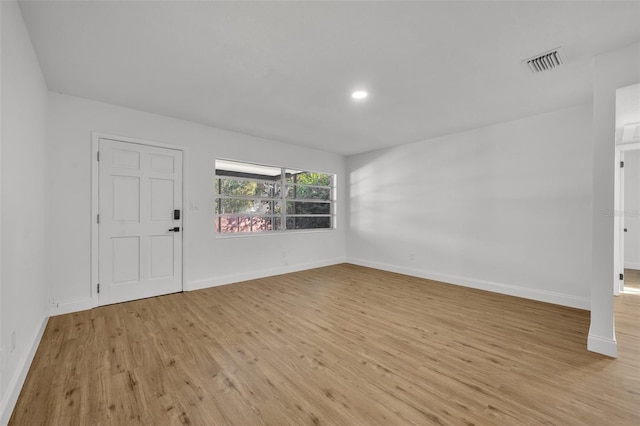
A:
627, 212
627, 186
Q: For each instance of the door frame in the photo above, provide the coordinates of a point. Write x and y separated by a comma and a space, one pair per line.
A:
95, 205
618, 235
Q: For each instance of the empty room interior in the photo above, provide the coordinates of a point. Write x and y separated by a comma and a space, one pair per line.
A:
320, 213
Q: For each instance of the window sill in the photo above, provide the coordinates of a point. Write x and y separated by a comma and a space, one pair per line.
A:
219, 236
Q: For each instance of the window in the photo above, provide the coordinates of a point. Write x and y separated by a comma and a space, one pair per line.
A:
252, 198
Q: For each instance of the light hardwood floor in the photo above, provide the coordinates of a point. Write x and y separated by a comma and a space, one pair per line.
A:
341, 345
632, 278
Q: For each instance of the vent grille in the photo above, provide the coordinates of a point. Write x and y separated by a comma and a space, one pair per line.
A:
545, 61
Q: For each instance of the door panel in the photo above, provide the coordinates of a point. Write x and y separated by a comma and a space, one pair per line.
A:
126, 259
161, 199
161, 248
127, 159
140, 255
162, 163
126, 198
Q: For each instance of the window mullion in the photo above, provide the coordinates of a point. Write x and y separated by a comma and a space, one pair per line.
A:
332, 197
283, 205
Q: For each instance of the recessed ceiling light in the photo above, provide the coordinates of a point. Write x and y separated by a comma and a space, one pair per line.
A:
359, 94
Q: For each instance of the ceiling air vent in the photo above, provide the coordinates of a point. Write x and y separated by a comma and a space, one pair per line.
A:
545, 61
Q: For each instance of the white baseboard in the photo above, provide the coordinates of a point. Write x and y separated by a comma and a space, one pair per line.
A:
602, 345
632, 265
69, 307
263, 273
511, 290
17, 381
84, 304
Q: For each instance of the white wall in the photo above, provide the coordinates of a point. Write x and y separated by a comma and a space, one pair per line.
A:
2, 391
504, 208
23, 292
209, 260
632, 209
611, 71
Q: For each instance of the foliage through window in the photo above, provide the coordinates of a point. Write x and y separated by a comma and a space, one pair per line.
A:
251, 198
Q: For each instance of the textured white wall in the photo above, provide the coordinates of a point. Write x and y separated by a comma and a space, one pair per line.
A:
632, 209
23, 291
505, 208
209, 260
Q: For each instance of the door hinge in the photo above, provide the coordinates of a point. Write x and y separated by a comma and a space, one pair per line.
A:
621, 164
621, 277
98, 156
98, 288
98, 218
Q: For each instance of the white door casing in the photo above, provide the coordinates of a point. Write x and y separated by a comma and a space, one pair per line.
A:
140, 238
622, 216
619, 215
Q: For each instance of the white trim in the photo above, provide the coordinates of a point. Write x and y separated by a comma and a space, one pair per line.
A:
632, 265
602, 345
252, 275
508, 289
629, 146
17, 381
185, 216
69, 307
95, 208
232, 235
118, 138
84, 304
618, 235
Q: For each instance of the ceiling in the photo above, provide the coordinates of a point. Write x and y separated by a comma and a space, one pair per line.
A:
285, 70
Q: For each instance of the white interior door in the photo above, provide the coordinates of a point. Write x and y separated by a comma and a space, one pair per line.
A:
140, 221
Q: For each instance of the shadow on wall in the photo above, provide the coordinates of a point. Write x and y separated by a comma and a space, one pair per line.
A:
491, 203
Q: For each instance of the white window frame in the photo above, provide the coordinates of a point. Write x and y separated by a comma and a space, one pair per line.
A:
282, 199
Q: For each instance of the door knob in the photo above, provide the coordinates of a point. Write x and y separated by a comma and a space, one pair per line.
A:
625, 229
176, 229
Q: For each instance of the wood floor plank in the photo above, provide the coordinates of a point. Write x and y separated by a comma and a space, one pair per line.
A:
333, 346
